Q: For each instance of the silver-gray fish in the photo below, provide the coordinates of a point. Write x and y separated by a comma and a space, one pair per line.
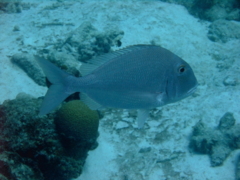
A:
138, 77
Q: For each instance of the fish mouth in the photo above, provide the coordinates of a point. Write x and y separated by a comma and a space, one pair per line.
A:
192, 90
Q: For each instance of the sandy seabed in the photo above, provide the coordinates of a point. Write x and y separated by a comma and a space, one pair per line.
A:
169, 25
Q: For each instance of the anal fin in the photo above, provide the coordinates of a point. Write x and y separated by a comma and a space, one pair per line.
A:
142, 116
89, 102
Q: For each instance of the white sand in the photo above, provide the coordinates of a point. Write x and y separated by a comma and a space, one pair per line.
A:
168, 25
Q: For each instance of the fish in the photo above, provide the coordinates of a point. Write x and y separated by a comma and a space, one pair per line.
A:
140, 77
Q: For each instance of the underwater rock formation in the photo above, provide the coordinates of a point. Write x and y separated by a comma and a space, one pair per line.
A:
30, 66
211, 10
30, 147
81, 44
223, 31
65, 61
231, 81
28, 63
87, 42
10, 6
217, 143
14, 6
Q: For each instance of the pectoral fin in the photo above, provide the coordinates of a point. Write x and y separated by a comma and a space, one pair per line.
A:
142, 116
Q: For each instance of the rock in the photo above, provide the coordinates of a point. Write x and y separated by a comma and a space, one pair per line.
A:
223, 31
14, 6
88, 42
219, 153
65, 61
29, 65
128, 119
224, 65
237, 173
121, 125
162, 136
145, 150
16, 28
217, 143
11, 7
211, 10
227, 121
2, 177
230, 81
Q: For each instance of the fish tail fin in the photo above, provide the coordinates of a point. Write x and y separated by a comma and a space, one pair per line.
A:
60, 88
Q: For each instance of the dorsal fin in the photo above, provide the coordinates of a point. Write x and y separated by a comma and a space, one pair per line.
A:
93, 64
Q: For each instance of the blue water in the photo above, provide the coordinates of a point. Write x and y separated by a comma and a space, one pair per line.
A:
182, 140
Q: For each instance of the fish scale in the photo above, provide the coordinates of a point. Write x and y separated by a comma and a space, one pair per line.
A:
122, 74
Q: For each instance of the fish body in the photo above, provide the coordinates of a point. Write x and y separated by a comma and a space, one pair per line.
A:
137, 77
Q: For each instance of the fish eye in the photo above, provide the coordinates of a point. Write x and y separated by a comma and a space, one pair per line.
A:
181, 69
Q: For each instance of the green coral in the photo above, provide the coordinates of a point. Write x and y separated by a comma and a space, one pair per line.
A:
78, 128
77, 121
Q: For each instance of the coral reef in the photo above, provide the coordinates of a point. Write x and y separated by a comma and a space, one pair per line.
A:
30, 147
78, 126
223, 31
27, 62
86, 42
237, 173
65, 61
10, 6
211, 10
30, 66
13, 6
81, 44
217, 143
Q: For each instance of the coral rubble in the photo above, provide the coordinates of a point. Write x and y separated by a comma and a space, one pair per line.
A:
237, 173
223, 31
217, 143
211, 10
30, 66
87, 42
